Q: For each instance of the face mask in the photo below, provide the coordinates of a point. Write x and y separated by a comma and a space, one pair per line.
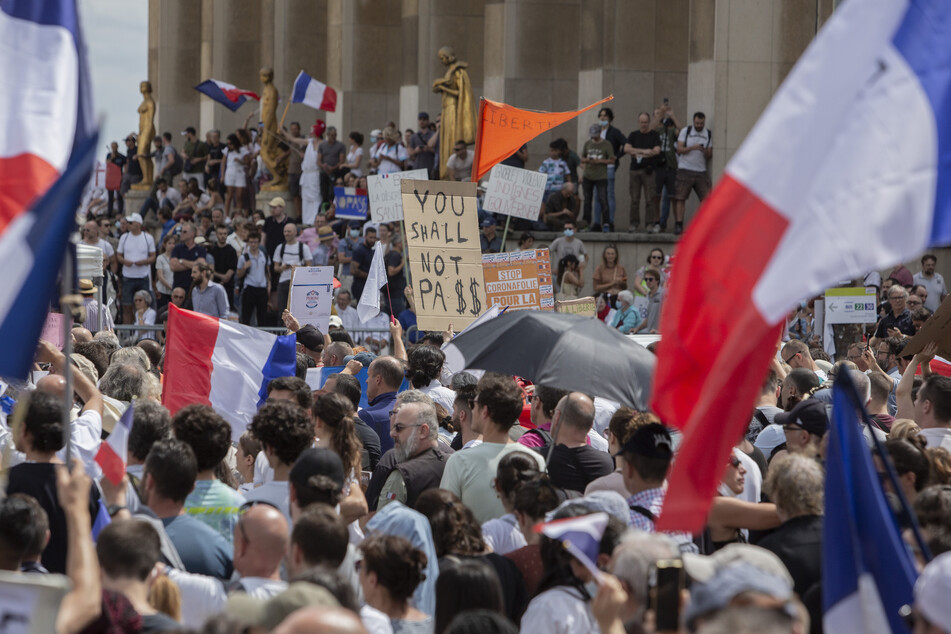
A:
569, 233
603, 123
354, 233
373, 139
591, 588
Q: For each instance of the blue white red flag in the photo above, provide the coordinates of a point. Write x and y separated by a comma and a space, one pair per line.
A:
46, 127
830, 184
222, 364
581, 537
311, 92
867, 571
228, 95
113, 453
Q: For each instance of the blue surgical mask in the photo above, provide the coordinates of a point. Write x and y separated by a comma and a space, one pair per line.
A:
603, 123
373, 139
569, 233
591, 588
354, 233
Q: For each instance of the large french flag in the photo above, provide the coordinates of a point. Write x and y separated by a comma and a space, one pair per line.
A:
848, 170
228, 95
867, 570
113, 454
311, 92
222, 364
47, 148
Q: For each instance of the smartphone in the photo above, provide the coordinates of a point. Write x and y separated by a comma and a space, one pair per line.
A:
665, 580
666, 101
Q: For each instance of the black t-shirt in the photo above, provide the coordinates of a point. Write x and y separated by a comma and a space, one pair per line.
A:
573, 468
274, 234
371, 442
226, 259
38, 479
158, 622
513, 160
183, 279
397, 282
215, 153
643, 141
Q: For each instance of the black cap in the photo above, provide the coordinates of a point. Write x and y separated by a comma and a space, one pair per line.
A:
809, 415
651, 441
310, 338
317, 461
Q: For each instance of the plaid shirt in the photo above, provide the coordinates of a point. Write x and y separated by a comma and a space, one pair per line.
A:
653, 501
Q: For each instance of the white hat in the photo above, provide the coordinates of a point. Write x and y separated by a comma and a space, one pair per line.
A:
134, 218
932, 590
769, 438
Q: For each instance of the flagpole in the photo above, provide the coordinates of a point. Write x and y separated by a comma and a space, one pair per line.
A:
508, 219
65, 306
280, 126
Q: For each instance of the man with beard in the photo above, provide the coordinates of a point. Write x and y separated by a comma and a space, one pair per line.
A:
419, 464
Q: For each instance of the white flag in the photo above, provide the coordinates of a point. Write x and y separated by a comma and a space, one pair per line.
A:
369, 306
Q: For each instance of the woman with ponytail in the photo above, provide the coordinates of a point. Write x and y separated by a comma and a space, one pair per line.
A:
503, 534
423, 370
334, 428
532, 501
389, 573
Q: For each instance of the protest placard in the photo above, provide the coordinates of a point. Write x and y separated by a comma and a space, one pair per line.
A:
580, 306
445, 254
937, 329
519, 280
515, 192
30, 603
386, 204
311, 295
351, 203
851, 305
53, 330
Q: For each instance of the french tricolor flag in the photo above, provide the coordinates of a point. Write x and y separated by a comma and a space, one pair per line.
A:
228, 95
848, 170
113, 454
222, 364
311, 92
581, 537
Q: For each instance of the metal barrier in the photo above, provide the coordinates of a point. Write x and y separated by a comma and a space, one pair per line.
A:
276, 329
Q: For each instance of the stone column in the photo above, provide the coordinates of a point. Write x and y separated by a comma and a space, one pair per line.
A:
237, 55
174, 49
300, 43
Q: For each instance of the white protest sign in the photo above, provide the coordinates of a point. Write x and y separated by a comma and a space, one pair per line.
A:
515, 192
311, 295
386, 199
851, 305
29, 603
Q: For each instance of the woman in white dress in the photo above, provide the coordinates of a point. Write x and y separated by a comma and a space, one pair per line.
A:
236, 173
355, 155
310, 182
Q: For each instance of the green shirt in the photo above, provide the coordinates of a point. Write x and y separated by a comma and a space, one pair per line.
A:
216, 504
597, 150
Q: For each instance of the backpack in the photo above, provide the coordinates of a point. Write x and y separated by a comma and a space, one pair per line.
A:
708, 131
546, 440
300, 251
177, 164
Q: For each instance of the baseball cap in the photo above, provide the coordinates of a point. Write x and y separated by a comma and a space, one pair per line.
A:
188, 130
366, 358
355, 224
423, 115
730, 582
488, 222
651, 441
809, 415
769, 438
335, 322
376, 132
277, 201
309, 337
594, 130
317, 461
134, 218
932, 588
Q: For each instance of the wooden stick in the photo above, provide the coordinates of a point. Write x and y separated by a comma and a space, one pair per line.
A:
280, 126
508, 219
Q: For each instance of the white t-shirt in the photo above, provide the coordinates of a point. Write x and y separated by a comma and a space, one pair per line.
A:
351, 157
136, 249
395, 151
560, 610
466, 475
290, 254
235, 163
107, 250
693, 161
461, 168
503, 535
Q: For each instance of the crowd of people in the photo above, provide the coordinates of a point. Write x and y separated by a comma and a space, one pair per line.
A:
419, 511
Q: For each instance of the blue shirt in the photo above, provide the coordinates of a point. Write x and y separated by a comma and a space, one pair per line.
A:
377, 416
201, 548
211, 301
625, 320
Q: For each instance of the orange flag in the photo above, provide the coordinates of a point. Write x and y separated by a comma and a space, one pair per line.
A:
504, 129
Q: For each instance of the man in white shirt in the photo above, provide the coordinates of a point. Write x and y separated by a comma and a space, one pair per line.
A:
391, 156
496, 408
91, 237
693, 151
932, 281
136, 253
933, 411
291, 253
460, 163
347, 313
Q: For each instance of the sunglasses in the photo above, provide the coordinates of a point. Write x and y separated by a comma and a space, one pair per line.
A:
650, 279
657, 257
734, 462
399, 427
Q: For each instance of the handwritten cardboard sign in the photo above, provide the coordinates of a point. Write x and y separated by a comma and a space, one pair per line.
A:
580, 306
519, 280
515, 192
386, 202
445, 254
311, 295
937, 328
351, 203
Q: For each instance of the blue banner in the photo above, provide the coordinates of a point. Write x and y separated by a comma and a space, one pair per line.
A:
351, 203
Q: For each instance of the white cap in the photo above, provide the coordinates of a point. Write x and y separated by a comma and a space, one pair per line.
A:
933, 589
769, 438
134, 218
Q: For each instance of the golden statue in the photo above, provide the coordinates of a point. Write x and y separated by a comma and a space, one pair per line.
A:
146, 134
458, 113
271, 153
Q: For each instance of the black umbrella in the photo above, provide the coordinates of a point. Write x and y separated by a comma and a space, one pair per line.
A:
559, 350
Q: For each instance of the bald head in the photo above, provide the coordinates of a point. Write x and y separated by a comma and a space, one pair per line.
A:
52, 384
260, 541
577, 411
316, 620
81, 335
